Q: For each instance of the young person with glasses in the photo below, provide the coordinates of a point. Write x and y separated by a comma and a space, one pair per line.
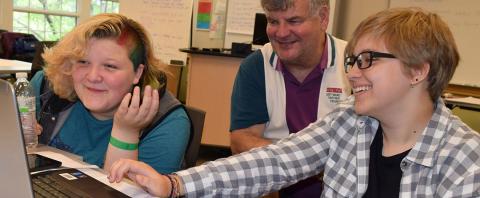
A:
394, 138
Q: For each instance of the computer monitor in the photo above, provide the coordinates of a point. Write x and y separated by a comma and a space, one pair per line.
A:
260, 30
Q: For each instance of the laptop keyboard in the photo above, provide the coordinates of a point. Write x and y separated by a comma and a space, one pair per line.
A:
47, 186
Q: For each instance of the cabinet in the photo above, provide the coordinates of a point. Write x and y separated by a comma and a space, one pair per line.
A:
210, 81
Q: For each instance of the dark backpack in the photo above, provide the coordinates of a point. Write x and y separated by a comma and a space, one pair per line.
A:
17, 44
25, 44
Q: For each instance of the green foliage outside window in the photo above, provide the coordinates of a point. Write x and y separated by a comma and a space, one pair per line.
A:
49, 20
46, 19
103, 6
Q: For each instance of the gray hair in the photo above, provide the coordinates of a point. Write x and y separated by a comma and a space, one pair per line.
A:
281, 5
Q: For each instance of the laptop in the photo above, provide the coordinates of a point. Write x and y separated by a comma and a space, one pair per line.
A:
16, 178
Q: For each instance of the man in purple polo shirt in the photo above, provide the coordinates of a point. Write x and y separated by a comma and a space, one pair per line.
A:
290, 82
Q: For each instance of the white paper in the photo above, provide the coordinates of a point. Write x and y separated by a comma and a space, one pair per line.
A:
127, 187
241, 16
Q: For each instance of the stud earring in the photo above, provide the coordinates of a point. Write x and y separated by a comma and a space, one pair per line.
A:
412, 84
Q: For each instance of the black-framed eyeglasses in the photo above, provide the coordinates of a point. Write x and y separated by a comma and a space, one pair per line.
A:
364, 59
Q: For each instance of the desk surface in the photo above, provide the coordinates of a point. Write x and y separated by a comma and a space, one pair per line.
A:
13, 66
212, 52
75, 161
470, 103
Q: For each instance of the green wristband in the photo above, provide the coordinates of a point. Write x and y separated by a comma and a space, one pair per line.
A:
122, 145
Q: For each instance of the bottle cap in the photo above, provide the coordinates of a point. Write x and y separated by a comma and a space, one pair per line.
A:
21, 75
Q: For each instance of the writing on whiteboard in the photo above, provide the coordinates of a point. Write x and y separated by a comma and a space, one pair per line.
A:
241, 15
167, 21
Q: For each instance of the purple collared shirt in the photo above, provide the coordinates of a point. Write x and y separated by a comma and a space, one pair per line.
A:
302, 97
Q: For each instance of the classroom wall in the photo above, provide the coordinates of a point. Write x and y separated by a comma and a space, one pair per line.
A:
5, 17
350, 13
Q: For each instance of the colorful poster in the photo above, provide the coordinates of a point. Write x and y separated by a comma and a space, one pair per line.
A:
204, 14
217, 25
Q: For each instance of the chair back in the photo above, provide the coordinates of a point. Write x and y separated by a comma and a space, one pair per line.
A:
197, 117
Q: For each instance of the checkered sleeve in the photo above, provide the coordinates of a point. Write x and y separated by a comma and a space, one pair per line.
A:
264, 169
470, 186
462, 175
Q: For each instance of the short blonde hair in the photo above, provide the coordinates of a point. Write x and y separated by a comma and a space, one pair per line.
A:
60, 58
414, 36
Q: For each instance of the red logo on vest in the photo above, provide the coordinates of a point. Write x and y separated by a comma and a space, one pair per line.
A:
334, 90
334, 94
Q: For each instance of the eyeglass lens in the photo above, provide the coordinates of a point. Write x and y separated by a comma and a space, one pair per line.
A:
363, 61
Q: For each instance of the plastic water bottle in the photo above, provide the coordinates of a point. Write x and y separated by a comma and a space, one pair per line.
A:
26, 106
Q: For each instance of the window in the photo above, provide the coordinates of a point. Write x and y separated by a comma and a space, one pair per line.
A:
49, 20
103, 6
46, 19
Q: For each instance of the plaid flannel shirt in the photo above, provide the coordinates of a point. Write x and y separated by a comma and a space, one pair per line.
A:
445, 161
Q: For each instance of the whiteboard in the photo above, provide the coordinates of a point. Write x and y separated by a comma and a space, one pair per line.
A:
463, 18
167, 21
241, 16
241, 20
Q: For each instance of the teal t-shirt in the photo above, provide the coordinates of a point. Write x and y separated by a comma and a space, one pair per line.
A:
163, 148
84, 135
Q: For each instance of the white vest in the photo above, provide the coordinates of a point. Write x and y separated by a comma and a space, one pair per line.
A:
334, 87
